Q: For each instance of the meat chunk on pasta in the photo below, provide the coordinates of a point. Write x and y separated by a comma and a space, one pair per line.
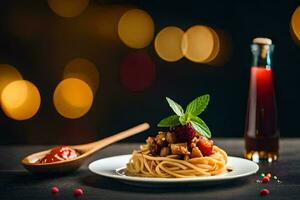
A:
196, 153
179, 149
165, 151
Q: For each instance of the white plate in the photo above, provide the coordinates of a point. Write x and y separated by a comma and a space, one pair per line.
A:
113, 167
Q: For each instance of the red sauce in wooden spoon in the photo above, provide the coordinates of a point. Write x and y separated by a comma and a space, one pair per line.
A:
59, 153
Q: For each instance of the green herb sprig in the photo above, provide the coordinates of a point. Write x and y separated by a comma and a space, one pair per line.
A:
193, 109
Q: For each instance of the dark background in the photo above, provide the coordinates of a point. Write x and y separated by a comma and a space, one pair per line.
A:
39, 44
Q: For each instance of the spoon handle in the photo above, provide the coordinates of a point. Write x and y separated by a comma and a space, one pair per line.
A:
95, 146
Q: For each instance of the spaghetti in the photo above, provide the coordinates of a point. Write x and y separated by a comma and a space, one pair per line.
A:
146, 165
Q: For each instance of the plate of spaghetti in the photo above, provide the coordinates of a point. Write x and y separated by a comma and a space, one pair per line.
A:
182, 152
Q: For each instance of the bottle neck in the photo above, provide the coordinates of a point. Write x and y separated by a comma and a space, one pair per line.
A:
262, 55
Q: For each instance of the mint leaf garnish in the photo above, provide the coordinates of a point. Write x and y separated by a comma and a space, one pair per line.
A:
194, 108
200, 126
175, 106
172, 120
198, 105
182, 119
185, 118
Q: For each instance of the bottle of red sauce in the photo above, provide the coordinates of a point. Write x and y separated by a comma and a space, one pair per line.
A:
261, 130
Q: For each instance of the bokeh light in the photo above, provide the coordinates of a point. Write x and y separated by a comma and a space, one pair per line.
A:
136, 28
168, 43
68, 8
295, 25
72, 98
216, 48
137, 71
102, 22
222, 50
8, 74
20, 100
84, 70
198, 43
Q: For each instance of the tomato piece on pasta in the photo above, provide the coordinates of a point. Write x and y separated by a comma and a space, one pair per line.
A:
206, 146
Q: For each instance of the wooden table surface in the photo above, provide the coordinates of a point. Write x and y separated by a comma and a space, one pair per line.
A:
17, 183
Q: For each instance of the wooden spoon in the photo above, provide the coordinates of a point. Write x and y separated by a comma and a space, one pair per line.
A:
85, 150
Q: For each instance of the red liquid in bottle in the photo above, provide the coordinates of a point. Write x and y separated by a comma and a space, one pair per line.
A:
261, 131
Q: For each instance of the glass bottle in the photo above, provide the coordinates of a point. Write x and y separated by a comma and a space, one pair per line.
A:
261, 130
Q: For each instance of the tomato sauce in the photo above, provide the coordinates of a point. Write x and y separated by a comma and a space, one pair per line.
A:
59, 153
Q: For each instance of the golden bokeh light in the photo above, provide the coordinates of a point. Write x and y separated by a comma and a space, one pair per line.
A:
136, 28
102, 22
295, 25
8, 74
20, 100
222, 50
72, 98
84, 70
68, 8
216, 49
199, 43
168, 43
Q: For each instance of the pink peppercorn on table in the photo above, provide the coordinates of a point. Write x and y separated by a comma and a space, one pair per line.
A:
17, 183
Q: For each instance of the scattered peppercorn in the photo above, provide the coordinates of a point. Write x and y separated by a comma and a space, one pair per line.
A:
265, 179
78, 192
54, 190
264, 192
